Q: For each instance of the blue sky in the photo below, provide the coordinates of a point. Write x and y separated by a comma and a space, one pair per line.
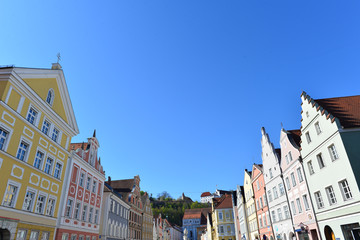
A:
178, 90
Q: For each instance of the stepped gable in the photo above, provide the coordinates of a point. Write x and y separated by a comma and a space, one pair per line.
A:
258, 166
345, 109
224, 201
205, 194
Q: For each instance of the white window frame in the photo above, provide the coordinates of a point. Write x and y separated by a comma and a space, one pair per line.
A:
308, 138
49, 128
82, 180
29, 143
333, 152
318, 128
40, 149
69, 213
221, 216
21, 231
310, 167
331, 195
288, 185
306, 202
319, 200
293, 180
286, 212
298, 203
300, 176
320, 160
9, 131
61, 170
281, 189
84, 216
51, 197
279, 212
57, 136
343, 191
52, 165
88, 182
36, 118
45, 195
78, 210
52, 97
37, 233
34, 191
293, 208
16, 184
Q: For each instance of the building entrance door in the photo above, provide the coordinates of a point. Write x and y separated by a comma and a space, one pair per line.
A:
329, 234
4, 234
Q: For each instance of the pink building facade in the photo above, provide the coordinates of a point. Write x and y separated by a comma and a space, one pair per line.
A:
82, 200
262, 210
301, 208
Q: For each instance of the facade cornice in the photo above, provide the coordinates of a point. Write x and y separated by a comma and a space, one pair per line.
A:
85, 165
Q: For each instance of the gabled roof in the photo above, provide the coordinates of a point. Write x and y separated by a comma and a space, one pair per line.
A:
197, 213
295, 135
225, 201
345, 109
125, 185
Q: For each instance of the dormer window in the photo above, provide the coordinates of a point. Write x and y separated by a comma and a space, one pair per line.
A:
50, 97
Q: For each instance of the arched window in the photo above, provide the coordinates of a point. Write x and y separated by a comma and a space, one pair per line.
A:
50, 97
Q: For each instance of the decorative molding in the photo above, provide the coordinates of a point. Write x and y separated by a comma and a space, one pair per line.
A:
54, 188
61, 155
11, 119
52, 149
17, 171
34, 179
45, 184
28, 132
43, 142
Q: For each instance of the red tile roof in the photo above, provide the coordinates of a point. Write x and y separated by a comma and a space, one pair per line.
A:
205, 194
346, 109
224, 201
197, 213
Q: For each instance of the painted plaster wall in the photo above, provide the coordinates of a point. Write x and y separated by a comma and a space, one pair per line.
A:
242, 214
344, 211
250, 207
291, 165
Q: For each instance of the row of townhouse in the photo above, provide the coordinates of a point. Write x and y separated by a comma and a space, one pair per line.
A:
309, 187
52, 188
164, 230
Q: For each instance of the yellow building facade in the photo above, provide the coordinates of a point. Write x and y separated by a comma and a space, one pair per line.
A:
37, 123
147, 224
223, 218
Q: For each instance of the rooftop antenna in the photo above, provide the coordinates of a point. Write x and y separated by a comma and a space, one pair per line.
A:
58, 57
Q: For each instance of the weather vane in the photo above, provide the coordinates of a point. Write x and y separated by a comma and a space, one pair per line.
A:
58, 57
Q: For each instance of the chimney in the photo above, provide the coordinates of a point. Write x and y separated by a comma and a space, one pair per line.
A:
109, 180
56, 66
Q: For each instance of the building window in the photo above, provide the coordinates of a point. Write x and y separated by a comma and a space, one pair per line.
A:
21, 234
38, 159
279, 214
271, 174
77, 210
293, 179
290, 156
84, 213
68, 209
317, 127
281, 188
10, 195
293, 207
65, 236
96, 216
40, 204
320, 160
287, 183
94, 186
57, 172
55, 134
275, 193
32, 114
261, 202
307, 134
34, 235
333, 152
50, 207
299, 205
88, 183
286, 211
345, 190
331, 195
306, 203
3, 136
91, 214
50, 97
269, 196
48, 165
29, 201
300, 176
221, 230
220, 216
260, 221
46, 127
82, 177
22, 151
273, 215
310, 167
45, 236
319, 200
264, 197
73, 237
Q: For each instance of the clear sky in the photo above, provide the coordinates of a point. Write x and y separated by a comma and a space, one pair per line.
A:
178, 90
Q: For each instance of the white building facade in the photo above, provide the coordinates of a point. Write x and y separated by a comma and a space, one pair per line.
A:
240, 208
275, 190
330, 152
